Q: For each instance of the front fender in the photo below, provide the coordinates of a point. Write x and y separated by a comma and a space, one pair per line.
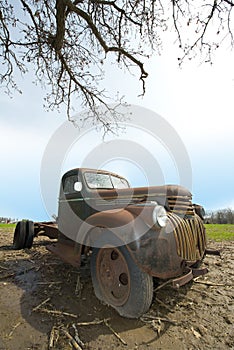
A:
153, 250
120, 222
156, 253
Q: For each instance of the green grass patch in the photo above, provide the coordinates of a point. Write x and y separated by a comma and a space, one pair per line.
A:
7, 225
220, 232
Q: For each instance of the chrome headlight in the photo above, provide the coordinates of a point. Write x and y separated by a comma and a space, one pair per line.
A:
159, 216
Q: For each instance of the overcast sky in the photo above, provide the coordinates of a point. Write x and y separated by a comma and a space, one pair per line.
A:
197, 101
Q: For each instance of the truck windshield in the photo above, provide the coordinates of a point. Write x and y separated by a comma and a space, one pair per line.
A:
105, 181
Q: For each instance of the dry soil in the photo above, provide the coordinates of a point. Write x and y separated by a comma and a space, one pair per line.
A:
199, 315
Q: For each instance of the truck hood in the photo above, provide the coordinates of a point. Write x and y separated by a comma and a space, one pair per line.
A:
172, 197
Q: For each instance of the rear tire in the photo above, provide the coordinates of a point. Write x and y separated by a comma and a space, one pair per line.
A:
29, 234
20, 235
119, 282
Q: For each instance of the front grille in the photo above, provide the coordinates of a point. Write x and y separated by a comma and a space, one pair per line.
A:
181, 205
189, 235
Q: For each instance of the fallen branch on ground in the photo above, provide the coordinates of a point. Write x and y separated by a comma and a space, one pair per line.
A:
72, 340
149, 319
76, 337
162, 285
92, 323
115, 333
207, 283
57, 312
164, 305
13, 274
51, 340
42, 303
15, 326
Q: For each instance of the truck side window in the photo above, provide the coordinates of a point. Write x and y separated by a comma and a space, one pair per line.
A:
68, 186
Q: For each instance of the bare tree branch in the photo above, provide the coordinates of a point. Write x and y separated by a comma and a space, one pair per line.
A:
67, 41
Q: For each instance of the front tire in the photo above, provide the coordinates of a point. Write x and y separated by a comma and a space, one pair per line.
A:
119, 282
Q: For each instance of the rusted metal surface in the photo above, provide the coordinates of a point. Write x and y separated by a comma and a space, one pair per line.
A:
213, 252
49, 229
66, 252
156, 253
182, 280
199, 210
163, 253
191, 273
200, 271
190, 237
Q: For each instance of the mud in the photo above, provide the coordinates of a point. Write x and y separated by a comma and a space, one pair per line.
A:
200, 315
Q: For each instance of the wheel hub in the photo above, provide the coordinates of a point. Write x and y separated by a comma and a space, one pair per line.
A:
113, 276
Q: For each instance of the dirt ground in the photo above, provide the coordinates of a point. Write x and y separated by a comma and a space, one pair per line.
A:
43, 302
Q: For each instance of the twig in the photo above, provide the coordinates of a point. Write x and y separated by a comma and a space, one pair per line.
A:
57, 312
7, 276
77, 338
114, 332
33, 262
72, 340
17, 274
164, 305
45, 283
152, 318
162, 285
51, 341
38, 306
201, 292
17, 325
92, 322
3, 267
78, 286
210, 283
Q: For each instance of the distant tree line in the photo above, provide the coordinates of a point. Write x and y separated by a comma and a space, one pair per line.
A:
223, 216
7, 220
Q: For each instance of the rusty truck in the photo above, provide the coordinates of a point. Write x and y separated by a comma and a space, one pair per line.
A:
132, 236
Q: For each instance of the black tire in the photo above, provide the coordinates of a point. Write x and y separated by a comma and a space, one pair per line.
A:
29, 234
20, 235
136, 285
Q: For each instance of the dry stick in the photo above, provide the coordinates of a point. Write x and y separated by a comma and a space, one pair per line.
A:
45, 283
78, 286
92, 322
51, 341
152, 318
17, 274
210, 283
17, 325
77, 338
7, 276
56, 312
162, 285
114, 332
3, 267
38, 306
201, 292
72, 340
164, 305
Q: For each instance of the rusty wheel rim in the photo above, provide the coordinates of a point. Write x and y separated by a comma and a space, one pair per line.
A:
113, 276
